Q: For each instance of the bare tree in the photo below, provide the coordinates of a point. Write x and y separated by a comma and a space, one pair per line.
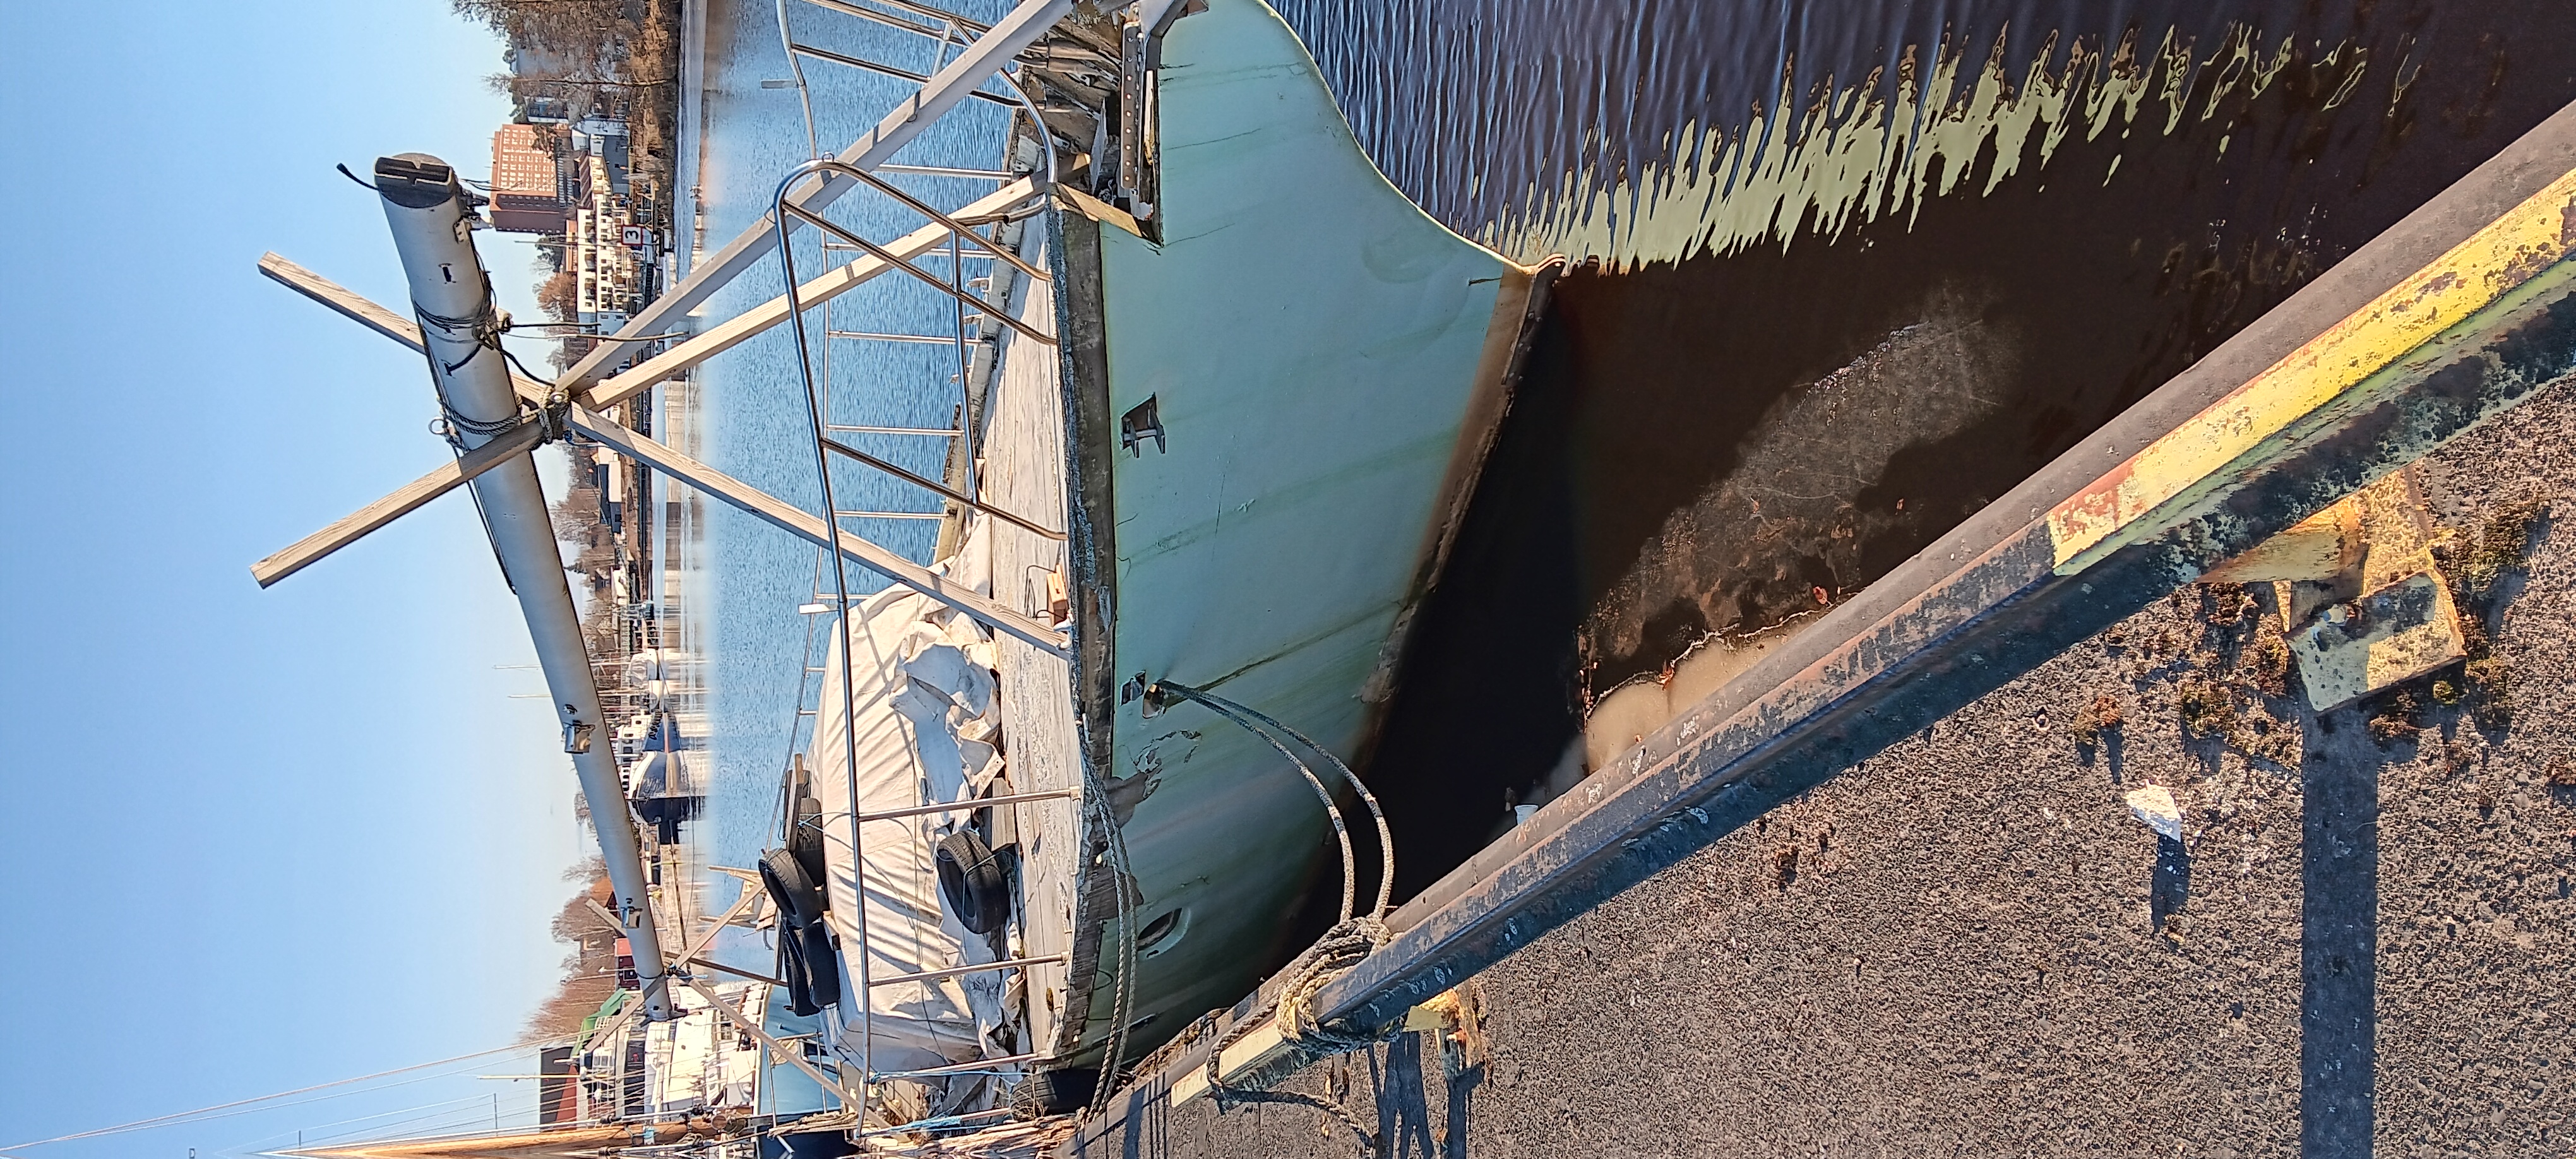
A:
562, 28
560, 296
570, 50
582, 91
590, 970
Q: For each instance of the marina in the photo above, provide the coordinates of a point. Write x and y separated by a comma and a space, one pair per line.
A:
1089, 975
933, 1005
1247, 577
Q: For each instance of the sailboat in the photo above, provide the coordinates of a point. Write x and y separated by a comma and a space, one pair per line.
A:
1071, 780
1255, 414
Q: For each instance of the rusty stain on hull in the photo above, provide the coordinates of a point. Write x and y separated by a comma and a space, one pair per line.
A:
1327, 367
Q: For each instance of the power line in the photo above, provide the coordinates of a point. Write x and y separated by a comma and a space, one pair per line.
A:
459, 1123
208, 1115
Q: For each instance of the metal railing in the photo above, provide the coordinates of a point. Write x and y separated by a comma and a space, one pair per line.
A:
948, 29
959, 232
972, 315
585, 396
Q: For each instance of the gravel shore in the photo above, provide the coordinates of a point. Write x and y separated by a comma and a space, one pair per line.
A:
1967, 944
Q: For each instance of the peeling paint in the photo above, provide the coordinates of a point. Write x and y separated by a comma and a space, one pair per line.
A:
2195, 457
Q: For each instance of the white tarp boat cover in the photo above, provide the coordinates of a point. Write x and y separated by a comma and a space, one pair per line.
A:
927, 731
698, 1061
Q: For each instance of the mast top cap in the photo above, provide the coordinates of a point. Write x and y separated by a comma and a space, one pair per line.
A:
415, 180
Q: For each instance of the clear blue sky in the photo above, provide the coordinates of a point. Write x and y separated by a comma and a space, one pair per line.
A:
251, 840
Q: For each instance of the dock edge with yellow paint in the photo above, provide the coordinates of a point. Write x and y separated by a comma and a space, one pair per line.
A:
2415, 318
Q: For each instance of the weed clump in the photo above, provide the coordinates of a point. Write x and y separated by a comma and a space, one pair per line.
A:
2268, 658
2227, 605
2489, 681
2503, 543
2476, 567
2397, 716
1784, 867
2101, 716
2206, 709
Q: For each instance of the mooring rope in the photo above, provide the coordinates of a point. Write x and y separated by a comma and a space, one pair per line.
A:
1122, 999
1351, 939
1341, 948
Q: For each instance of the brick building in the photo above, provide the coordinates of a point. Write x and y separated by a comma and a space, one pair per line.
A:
527, 196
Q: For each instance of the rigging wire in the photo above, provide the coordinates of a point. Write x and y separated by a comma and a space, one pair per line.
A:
1332, 811
1342, 947
200, 1114
476, 1110
531, 375
603, 339
300, 1132
1385, 840
483, 329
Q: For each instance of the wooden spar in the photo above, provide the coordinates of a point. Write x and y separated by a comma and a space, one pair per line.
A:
732, 332
338, 297
796, 521
696, 948
568, 1142
350, 304
303, 553
737, 972
699, 946
752, 1026
669, 461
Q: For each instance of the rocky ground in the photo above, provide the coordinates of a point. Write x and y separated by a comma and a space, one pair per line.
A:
1967, 945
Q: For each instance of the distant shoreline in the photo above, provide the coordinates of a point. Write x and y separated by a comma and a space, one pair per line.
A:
689, 159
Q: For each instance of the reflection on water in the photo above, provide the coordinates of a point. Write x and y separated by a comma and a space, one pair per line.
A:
1856, 270
1654, 131
1790, 496
1861, 269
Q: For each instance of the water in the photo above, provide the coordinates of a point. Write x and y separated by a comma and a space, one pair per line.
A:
1650, 130
752, 405
1861, 268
